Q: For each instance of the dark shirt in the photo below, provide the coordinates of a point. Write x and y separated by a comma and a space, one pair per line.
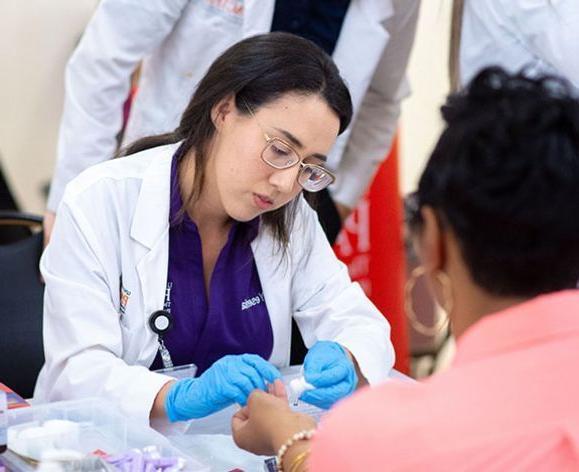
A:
234, 318
320, 21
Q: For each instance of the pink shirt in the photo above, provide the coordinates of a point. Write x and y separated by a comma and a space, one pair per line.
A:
510, 401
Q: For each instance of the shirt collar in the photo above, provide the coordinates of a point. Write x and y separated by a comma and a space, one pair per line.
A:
540, 320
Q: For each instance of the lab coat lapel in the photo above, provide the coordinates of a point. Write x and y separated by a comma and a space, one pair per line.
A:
150, 229
257, 17
275, 278
359, 48
361, 43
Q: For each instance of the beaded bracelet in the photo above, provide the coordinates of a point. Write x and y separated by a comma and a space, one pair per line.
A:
302, 435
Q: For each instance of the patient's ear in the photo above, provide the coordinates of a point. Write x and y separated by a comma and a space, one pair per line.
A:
432, 250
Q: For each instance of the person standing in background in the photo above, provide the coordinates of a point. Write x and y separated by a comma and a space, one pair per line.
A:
540, 36
177, 41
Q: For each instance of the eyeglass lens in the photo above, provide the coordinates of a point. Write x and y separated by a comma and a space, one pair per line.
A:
281, 156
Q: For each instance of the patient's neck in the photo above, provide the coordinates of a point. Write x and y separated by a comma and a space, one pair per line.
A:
473, 303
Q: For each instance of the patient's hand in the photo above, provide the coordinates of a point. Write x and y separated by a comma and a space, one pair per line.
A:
267, 421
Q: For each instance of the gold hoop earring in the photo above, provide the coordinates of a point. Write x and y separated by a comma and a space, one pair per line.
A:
441, 321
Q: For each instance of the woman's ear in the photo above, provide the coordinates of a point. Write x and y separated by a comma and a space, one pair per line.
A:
222, 110
432, 248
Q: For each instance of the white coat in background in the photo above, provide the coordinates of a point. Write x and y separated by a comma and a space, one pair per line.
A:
179, 39
112, 227
541, 35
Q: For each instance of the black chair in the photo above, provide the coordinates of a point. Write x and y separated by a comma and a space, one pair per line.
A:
21, 298
7, 202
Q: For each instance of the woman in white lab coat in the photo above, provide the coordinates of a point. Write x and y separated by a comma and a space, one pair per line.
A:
199, 247
540, 36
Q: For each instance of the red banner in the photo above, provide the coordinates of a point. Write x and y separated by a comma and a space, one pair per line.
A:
372, 246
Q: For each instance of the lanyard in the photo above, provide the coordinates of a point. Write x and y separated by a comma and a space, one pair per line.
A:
160, 323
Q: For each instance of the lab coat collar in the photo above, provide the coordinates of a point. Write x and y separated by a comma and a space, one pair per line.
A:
151, 218
377, 10
540, 320
150, 228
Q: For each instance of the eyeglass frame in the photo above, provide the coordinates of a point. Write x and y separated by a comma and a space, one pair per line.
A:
269, 139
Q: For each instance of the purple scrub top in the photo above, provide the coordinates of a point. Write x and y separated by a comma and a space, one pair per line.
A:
233, 319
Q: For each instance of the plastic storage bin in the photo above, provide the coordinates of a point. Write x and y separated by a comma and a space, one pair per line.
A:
101, 429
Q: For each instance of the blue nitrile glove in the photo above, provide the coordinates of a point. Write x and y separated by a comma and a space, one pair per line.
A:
229, 380
328, 368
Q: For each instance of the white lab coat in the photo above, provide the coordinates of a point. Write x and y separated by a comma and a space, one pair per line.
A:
179, 39
540, 35
113, 225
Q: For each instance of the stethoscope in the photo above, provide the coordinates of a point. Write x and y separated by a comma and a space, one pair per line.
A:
161, 322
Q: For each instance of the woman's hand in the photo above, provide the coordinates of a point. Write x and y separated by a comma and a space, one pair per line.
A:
267, 422
229, 380
330, 369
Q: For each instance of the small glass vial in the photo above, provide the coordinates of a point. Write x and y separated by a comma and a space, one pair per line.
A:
296, 387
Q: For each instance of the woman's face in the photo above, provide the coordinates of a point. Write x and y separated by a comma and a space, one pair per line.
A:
246, 185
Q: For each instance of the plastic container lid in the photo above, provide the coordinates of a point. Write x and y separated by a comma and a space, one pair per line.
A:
89, 425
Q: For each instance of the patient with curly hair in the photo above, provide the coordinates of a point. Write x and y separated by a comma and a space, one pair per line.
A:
495, 223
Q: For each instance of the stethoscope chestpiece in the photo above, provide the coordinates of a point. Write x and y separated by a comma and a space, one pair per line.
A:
160, 322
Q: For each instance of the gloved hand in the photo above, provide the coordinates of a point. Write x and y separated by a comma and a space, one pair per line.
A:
328, 368
229, 380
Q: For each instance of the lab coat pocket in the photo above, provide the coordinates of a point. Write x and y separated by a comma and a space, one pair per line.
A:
207, 28
131, 333
124, 297
223, 10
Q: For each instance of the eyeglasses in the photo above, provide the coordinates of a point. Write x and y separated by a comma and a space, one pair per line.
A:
281, 155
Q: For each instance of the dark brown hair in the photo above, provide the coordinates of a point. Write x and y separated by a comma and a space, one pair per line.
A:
257, 71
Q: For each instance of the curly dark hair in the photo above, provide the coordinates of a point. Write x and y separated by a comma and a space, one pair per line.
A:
504, 176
